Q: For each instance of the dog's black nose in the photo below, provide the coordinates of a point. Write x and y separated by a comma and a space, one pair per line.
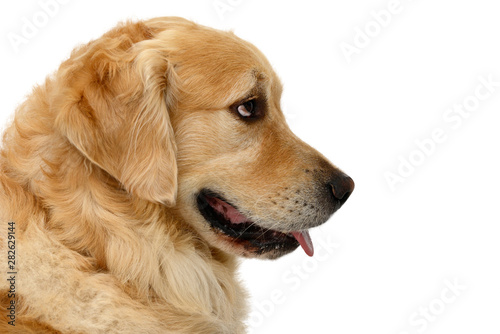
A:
342, 187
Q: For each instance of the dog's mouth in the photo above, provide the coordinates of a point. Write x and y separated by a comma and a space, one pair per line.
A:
224, 218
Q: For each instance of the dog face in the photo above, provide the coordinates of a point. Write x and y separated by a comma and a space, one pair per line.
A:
205, 135
247, 183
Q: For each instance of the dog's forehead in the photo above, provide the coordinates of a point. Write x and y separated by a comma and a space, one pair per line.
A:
218, 66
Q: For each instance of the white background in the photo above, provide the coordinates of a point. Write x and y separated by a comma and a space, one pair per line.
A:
392, 251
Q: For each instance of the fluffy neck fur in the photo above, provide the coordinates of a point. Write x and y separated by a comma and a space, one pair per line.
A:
119, 234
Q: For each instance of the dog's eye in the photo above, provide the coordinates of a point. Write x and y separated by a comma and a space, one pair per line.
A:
246, 109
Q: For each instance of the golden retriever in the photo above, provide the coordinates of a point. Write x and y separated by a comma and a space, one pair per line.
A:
134, 177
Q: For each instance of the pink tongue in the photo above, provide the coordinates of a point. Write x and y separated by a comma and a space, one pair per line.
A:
305, 241
229, 212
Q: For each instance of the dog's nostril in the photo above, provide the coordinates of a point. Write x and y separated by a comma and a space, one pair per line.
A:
342, 187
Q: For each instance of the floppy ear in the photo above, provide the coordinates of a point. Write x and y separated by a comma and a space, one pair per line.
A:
150, 167
112, 102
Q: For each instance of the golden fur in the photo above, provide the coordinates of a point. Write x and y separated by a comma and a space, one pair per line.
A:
99, 172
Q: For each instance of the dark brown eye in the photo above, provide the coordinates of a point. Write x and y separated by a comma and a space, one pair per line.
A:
246, 109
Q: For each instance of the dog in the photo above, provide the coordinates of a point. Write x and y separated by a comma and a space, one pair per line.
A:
137, 175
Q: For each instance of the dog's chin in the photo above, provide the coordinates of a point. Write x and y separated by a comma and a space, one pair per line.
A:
237, 234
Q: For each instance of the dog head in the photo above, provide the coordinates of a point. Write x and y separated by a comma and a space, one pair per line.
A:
190, 117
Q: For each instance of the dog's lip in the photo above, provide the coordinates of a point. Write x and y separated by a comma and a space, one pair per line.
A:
226, 218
